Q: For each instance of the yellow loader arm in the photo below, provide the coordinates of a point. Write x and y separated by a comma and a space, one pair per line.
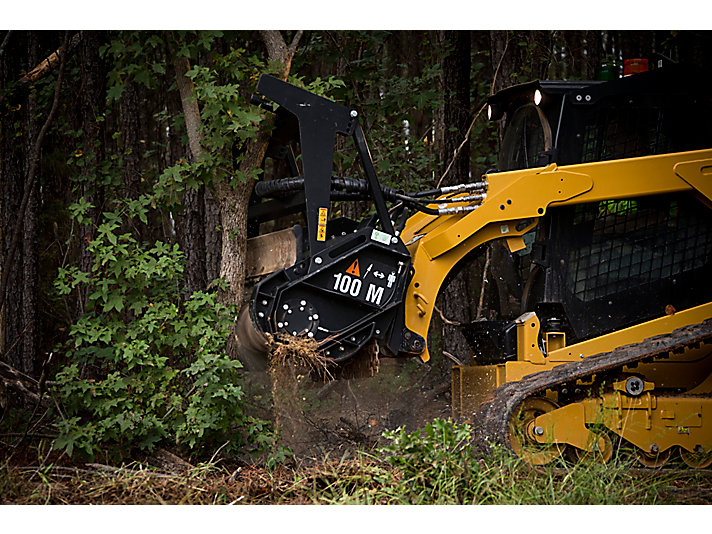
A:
515, 202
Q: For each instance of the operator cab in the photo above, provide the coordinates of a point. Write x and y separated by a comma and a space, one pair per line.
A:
656, 112
596, 268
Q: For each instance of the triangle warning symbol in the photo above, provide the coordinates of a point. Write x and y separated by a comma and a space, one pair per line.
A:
354, 270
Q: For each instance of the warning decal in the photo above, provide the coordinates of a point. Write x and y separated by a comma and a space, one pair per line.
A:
354, 270
321, 226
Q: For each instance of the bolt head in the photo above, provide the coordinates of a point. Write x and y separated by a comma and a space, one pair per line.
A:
354, 113
317, 260
539, 431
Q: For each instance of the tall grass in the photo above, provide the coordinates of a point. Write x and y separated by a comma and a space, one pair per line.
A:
439, 465
435, 465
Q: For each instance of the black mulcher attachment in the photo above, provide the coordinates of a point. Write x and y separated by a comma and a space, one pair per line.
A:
349, 279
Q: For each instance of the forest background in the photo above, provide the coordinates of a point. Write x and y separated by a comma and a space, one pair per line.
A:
127, 160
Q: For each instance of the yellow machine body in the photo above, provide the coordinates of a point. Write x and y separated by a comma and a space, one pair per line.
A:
516, 200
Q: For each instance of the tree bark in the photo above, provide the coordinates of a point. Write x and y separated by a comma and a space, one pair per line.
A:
28, 360
129, 111
213, 236
29, 363
11, 182
92, 99
190, 218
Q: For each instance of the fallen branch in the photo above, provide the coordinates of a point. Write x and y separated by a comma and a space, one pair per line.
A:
21, 384
50, 62
455, 360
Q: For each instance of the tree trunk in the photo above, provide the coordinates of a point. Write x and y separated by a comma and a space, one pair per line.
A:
11, 180
92, 101
129, 107
213, 236
29, 363
190, 219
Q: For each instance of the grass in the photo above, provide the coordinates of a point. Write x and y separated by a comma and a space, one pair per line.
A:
434, 466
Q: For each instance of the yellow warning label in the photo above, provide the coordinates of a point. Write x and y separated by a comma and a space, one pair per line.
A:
321, 227
354, 270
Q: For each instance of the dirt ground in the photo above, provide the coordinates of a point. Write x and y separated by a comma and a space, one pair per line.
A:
334, 416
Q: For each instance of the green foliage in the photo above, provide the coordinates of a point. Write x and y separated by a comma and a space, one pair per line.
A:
144, 365
228, 120
439, 465
436, 464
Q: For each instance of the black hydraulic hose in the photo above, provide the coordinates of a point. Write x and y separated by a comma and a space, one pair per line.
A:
282, 186
270, 188
345, 188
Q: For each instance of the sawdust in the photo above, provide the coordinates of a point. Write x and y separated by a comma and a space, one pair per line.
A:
319, 410
291, 359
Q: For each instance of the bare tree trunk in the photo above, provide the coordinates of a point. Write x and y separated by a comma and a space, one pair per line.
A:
128, 106
213, 236
29, 363
25, 288
92, 99
190, 220
11, 179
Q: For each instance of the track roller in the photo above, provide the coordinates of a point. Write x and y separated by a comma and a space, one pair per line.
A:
698, 459
522, 432
653, 460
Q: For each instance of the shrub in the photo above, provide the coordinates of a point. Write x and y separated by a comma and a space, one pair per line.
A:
144, 365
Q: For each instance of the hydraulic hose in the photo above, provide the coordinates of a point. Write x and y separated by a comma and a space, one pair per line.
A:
345, 188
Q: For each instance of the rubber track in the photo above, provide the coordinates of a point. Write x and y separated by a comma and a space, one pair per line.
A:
491, 421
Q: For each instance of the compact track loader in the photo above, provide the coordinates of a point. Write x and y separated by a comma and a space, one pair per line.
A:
603, 199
